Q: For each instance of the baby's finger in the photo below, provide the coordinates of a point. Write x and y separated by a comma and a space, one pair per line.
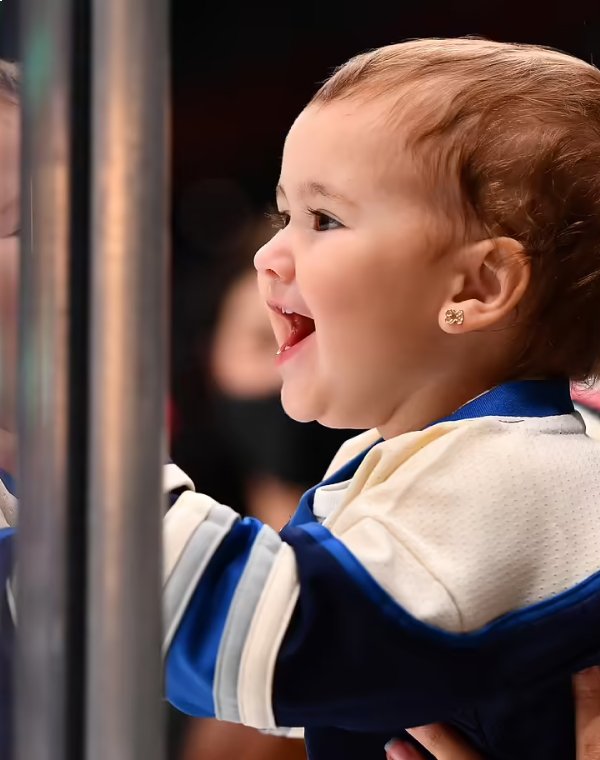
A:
443, 742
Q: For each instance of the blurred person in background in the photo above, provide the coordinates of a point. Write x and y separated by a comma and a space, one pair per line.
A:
277, 457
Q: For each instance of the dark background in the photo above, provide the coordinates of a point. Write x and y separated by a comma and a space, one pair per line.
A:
240, 77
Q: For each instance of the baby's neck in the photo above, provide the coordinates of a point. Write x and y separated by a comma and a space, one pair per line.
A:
432, 401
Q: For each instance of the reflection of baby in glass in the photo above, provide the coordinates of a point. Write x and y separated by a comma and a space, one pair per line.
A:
9, 259
9, 269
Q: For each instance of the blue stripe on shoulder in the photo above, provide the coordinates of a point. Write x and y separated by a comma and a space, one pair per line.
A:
190, 665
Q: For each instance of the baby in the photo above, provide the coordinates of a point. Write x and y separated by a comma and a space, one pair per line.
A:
436, 279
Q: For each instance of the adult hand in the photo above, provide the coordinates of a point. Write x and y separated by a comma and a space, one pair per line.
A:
445, 744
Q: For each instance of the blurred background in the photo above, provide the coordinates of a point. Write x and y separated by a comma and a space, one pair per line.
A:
239, 77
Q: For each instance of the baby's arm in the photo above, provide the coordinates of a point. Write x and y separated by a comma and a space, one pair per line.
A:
287, 630
230, 586
313, 627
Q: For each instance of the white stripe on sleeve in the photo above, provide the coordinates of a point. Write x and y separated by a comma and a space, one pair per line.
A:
269, 624
194, 529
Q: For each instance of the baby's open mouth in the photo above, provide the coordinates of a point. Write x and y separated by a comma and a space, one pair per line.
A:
300, 327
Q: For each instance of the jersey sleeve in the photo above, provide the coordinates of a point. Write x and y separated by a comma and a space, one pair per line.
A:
230, 587
275, 630
301, 628
291, 630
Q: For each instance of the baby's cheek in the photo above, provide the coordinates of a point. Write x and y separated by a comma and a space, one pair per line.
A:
333, 294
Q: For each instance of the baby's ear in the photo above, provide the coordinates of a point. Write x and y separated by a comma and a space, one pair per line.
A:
491, 278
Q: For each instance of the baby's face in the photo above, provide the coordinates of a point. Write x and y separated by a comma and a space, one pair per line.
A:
9, 258
358, 263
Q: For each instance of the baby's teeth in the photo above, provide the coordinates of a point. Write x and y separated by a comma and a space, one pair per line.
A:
287, 311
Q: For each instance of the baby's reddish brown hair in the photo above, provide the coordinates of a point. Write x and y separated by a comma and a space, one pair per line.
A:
508, 137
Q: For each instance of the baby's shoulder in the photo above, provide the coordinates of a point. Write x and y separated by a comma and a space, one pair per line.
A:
487, 449
352, 448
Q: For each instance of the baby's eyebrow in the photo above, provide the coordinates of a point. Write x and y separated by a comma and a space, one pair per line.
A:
313, 188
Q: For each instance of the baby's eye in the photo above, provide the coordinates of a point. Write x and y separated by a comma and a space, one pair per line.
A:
323, 222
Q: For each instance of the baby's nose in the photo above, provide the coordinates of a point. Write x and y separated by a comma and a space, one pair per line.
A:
275, 259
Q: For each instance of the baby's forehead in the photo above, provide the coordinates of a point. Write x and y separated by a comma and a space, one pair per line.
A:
355, 142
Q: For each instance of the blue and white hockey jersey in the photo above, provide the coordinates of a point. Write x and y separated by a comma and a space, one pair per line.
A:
445, 575
448, 574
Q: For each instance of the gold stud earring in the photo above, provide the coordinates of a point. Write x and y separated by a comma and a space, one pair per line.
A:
455, 316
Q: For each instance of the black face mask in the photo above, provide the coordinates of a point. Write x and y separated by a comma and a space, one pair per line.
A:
263, 440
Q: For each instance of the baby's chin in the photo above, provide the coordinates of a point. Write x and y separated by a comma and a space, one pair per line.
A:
302, 401
302, 408
296, 408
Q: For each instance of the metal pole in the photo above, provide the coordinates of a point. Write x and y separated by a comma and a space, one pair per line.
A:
128, 371
42, 670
